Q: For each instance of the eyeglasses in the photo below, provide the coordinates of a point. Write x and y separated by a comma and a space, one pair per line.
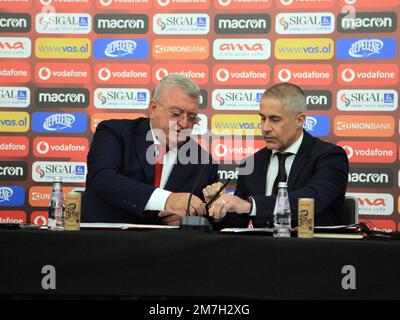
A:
179, 114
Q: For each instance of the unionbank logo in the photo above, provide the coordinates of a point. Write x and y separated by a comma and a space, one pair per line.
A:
129, 74
197, 72
121, 49
63, 48
242, 49
242, 23
370, 178
368, 74
240, 99
362, 48
15, 97
305, 23
304, 49
12, 146
121, 23
39, 196
63, 23
15, 22
54, 147
121, 98
66, 73
364, 126
318, 99
138, 5
236, 124
367, 100
241, 74
62, 97
185, 49
12, 196
181, 24
369, 151
380, 204
46, 171
304, 74
242, 5
302, 4
15, 72
14, 121
367, 22
15, 47
13, 171
318, 126
61, 122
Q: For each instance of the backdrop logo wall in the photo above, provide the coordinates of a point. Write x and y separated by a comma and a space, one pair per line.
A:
318, 126
366, 48
121, 23
46, 171
181, 23
370, 178
197, 72
15, 72
242, 49
367, 100
304, 74
15, 22
15, 97
65, 73
121, 98
62, 97
12, 196
57, 147
14, 146
236, 99
120, 49
318, 99
305, 23
15, 47
118, 73
62, 122
369, 151
13, 171
242, 23
367, 22
241, 74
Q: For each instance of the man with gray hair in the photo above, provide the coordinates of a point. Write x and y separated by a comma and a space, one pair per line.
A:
143, 170
311, 167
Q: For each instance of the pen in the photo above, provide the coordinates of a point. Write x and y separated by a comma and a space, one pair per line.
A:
217, 194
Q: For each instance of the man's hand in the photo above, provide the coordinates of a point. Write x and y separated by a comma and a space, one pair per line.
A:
228, 203
211, 190
177, 204
169, 218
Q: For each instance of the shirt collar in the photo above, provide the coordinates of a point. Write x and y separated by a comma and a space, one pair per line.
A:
294, 148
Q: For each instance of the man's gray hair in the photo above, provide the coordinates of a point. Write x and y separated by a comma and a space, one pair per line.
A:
177, 80
291, 96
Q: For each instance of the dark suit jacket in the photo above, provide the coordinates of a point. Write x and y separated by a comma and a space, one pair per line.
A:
120, 180
319, 171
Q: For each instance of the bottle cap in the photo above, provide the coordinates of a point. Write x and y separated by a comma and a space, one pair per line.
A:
282, 185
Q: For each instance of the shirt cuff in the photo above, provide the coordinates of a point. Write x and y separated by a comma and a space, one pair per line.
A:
254, 209
157, 200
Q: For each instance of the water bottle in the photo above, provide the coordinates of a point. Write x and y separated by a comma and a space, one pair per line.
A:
57, 206
282, 215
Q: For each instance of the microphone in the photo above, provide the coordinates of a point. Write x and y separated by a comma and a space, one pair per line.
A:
195, 223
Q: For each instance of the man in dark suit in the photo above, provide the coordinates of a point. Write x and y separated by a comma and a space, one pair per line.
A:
312, 168
143, 170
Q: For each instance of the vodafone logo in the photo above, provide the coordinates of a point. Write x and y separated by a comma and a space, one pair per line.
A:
104, 74
55, 147
304, 74
196, 72
44, 73
120, 73
42, 148
222, 75
39, 220
163, 3
348, 75
106, 3
161, 73
221, 150
369, 151
286, 2
46, 2
368, 74
224, 2
243, 75
284, 75
350, 1
349, 150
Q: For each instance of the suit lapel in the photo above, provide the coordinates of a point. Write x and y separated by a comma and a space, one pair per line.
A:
260, 171
146, 149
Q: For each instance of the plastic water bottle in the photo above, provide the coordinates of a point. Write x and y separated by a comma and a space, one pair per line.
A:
56, 206
282, 214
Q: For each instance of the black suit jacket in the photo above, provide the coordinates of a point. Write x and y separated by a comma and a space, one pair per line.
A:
319, 171
120, 180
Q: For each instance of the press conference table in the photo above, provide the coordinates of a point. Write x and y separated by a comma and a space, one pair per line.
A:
175, 263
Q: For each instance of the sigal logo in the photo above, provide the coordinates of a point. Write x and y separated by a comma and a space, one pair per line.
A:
16, 4
15, 97
364, 126
120, 49
13, 146
14, 121
184, 49
96, 118
367, 22
362, 48
368, 74
367, 100
242, 23
12, 217
15, 72
15, 22
304, 74
117, 73
369, 151
197, 72
121, 23
370, 4
46, 171
181, 23
242, 49
243, 5
69, 5
370, 178
304, 49
55, 147
381, 204
236, 99
243, 74
318, 126
62, 97
305, 23
137, 5
15, 47
304, 4
62, 122
13, 171
12, 196
121, 98
182, 4
318, 99
66, 73
63, 23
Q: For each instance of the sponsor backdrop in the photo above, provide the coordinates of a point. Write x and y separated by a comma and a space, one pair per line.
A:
66, 65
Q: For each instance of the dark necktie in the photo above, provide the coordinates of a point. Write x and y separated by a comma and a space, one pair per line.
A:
281, 177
